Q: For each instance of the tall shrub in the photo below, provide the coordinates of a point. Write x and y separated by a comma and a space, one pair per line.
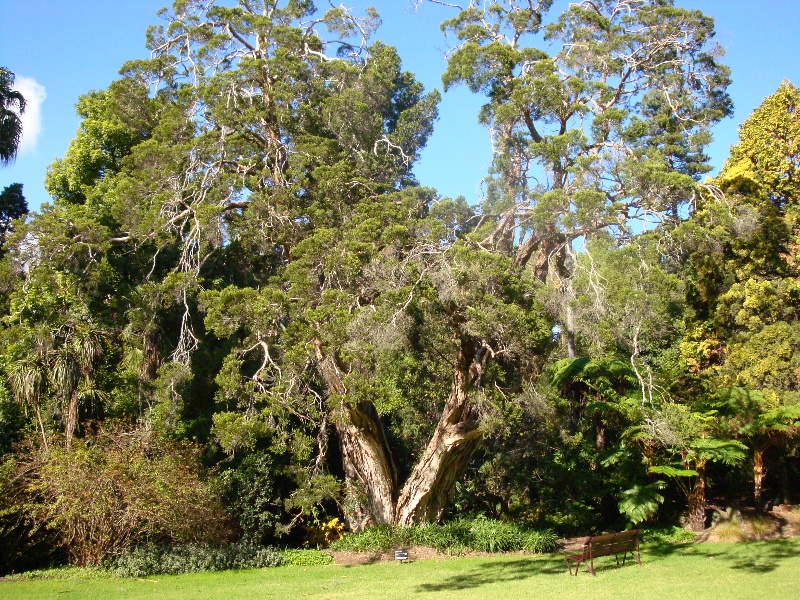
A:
117, 488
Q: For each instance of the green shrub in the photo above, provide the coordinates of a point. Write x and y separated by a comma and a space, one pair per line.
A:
451, 537
540, 542
116, 488
141, 561
454, 537
61, 573
253, 493
668, 535
306, 558
494, 536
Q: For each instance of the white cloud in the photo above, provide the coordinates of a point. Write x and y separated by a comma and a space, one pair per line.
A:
34, 95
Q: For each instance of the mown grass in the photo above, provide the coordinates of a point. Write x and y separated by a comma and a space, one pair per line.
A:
708, 571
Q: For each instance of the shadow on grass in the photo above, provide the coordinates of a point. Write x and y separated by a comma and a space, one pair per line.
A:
752, 557
760, 557
659, 550
494, 572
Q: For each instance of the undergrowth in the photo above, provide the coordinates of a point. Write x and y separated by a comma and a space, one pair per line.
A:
140, 561
454, 537
668, 535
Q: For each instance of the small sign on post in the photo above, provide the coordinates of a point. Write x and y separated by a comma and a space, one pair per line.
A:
401, 555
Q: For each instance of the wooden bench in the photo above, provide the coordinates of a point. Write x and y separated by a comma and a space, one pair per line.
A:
606, 545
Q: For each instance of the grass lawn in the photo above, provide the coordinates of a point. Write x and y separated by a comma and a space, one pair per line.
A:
726, 571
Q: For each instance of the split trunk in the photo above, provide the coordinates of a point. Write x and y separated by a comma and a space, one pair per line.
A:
373, 494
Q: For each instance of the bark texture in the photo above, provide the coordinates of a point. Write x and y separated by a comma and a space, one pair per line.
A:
759, 472
697, 500
370, 476
71, 420
430, 486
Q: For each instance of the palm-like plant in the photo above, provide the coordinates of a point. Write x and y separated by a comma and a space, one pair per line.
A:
12, 105
691, 441
25, 376
71, 372
760, 420
57, 375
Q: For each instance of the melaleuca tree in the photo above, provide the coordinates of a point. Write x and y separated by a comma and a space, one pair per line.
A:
604, 128
294, 179
742, 265
302, 160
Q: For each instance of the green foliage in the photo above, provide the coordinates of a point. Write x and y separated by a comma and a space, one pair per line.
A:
143, 561
294, 557
117, 488
605, 379
486, 535
253, 493
758, 418
452, 537
113, 122
766, 156
671, 471
60, 574
235, 432
641, 502
741, 263
669, 535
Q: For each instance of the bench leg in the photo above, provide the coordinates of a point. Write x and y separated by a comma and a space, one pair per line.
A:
590, 567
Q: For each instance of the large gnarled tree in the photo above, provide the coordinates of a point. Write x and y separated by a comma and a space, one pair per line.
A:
271, 194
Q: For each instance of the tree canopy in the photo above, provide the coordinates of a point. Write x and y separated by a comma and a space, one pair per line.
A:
239, 270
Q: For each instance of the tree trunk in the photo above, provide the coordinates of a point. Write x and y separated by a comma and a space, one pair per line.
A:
370, 476
599, 436
544, 247
759, 472
149, 369
430, 486
786, 490
570, 326
41, 427
697, 500
71, 420
369, 473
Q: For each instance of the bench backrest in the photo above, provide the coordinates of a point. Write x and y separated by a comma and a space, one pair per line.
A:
611, 543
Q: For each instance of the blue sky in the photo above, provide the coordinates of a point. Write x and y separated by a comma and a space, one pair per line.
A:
60, 49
